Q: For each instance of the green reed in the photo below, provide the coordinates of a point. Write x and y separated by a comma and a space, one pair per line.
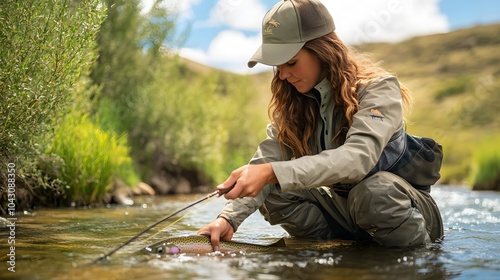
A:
486, 167
91, 158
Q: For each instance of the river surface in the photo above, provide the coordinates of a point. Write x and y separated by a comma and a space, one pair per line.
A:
60, 244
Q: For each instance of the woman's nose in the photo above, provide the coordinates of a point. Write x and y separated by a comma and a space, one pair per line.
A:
283, 73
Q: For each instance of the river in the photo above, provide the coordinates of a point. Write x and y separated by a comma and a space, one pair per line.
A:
60, 244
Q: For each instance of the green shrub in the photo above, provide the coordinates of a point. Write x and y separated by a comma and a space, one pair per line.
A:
44, 48
452, 88
197, 121
486, 167
92, 158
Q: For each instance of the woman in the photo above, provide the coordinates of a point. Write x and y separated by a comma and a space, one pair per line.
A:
333, 113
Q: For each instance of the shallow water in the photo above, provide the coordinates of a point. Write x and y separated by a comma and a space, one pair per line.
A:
60, 244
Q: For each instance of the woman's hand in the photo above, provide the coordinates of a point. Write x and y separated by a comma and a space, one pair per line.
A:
218, 229
248, 180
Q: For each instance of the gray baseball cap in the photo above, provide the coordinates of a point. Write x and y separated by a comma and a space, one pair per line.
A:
287, 27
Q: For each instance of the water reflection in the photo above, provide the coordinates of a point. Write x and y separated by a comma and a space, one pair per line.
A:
353, 261
60, 243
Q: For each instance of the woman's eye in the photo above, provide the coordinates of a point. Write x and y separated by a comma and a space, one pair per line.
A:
291, 63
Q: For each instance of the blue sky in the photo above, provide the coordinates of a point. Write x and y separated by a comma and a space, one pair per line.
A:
225, 33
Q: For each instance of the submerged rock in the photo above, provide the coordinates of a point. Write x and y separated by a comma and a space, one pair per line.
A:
122, 193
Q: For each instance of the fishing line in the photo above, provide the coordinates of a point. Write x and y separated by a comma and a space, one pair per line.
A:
217, 193
167, 226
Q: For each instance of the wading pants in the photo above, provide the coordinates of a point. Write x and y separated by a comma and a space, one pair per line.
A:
383, 207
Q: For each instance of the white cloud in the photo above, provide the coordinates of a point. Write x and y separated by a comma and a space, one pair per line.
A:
238, 14
229, 50
357, 21
386, 20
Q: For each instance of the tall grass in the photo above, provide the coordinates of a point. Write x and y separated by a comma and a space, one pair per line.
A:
91, 158
486, 167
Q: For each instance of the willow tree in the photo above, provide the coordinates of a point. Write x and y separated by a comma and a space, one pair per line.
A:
45, 48
129, 46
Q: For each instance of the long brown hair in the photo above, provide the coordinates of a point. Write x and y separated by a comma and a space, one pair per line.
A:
294, 114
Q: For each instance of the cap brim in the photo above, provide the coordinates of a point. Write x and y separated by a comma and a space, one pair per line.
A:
274, 54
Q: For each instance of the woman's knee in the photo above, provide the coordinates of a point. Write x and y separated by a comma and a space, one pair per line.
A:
295, 214
377, 195
383, 207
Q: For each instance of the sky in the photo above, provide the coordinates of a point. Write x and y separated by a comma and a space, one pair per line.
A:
225, 33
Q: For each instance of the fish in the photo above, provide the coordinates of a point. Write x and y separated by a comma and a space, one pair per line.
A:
200, 244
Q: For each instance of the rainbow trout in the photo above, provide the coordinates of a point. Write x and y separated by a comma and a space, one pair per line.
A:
200, 244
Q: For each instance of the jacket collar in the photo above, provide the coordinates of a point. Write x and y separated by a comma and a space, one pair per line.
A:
323, 90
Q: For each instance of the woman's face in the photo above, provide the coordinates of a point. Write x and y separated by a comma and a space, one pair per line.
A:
303, 71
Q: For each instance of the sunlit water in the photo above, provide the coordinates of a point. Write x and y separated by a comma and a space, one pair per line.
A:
60, 244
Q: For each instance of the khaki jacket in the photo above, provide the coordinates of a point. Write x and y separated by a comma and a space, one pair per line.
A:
379, 117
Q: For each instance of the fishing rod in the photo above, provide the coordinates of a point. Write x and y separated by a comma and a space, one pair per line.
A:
217, 193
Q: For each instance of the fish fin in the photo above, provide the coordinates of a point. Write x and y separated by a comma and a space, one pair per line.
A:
279, 243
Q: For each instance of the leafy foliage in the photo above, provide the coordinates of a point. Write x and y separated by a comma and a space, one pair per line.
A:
45, 47
90, 159
129, 47
175, 118
197, 120
486, 167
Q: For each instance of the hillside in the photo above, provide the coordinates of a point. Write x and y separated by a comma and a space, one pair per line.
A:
455, 81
